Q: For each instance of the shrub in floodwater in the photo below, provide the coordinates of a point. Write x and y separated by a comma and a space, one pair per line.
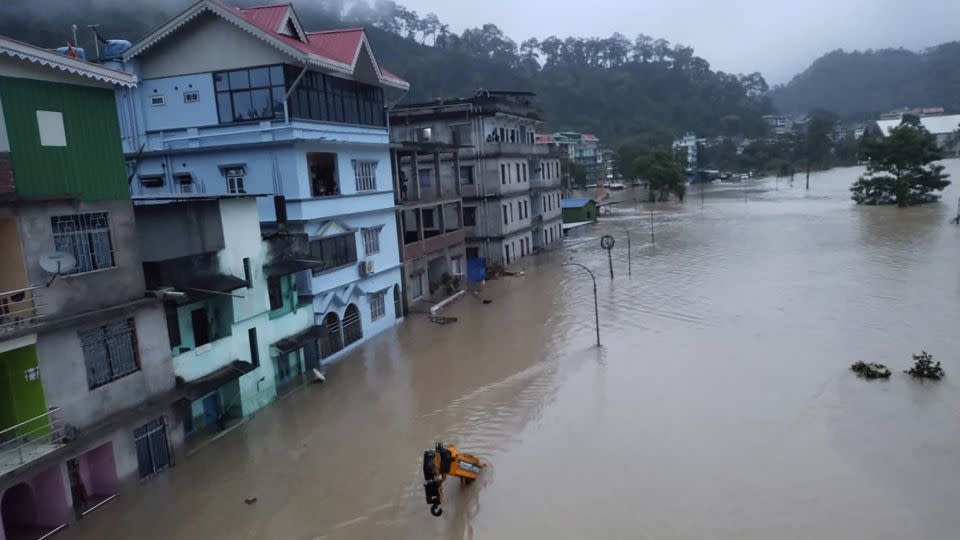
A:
870, 370
924, 367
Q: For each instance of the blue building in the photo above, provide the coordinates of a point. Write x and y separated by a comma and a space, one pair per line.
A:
245, 101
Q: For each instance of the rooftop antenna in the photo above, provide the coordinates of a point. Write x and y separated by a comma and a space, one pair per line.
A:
57, 263
96, 38
73, 27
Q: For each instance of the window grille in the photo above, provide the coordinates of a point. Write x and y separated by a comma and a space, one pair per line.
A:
109, 352
86, 237
371, 241
352, 329
378, 307
365, 173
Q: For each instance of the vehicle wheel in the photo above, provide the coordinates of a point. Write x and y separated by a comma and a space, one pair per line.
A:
436, 510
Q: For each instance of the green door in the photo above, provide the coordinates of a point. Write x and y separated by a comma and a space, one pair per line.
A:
21, 394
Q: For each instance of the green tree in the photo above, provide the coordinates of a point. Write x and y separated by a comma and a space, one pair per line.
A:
578, 173
901, 168
663, 174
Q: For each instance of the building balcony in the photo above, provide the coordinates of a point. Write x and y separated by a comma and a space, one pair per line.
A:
30, 440
21, 310
510, 149
417, 249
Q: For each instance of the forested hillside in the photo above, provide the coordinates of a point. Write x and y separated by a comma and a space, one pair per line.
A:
616, 87
859, 84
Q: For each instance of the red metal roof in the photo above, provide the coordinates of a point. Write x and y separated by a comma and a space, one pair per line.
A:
340, 45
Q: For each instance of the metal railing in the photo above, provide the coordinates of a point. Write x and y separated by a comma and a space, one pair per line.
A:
20, 308
30, 440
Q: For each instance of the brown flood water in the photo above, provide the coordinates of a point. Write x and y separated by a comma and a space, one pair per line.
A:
720, 406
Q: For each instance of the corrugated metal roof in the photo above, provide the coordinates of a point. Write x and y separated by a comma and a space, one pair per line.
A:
266, 16
575, 203
936, 125
338, 45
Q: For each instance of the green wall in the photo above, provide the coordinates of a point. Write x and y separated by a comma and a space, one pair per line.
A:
20, 399
587, 212
91, 166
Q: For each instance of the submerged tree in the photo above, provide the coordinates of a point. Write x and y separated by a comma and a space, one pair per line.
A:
901, 168
663, 173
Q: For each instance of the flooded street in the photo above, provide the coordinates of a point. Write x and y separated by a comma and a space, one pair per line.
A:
720, 405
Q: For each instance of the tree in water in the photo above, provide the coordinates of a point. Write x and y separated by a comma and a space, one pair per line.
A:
901, 168
663, 174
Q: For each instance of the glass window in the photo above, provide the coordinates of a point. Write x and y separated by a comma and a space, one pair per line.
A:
239, 80
87, 238
243, 106
259, 77
371, 241
365, 174
334, 251
466, 175
261, 103
469, 216
220, 81
224, 107
247, 94
378, 305
322, 168
109, 352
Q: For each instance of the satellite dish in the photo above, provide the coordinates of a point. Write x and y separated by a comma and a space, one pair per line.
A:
58, 262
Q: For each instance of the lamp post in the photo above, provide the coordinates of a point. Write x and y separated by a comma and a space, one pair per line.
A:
596, 306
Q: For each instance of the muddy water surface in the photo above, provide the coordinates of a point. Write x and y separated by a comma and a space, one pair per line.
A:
720, 405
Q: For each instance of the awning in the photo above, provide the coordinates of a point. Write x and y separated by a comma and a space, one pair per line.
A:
298, 341
206, 286
286, 268
194, 390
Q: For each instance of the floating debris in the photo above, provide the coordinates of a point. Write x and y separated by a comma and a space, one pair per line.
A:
870, 370
442, 320
924, 367
250, 500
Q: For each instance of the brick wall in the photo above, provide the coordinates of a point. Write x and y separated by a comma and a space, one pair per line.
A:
6, 173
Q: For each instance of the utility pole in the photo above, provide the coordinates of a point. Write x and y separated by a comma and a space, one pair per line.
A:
652, 238
596, 305
629, 257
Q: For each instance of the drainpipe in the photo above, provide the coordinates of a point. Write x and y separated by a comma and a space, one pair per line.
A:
286, 97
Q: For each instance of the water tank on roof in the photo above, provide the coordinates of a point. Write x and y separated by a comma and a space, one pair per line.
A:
114, 48
77, 52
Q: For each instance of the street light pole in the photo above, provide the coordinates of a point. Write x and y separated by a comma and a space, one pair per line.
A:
629, 257
596, 305
652, 238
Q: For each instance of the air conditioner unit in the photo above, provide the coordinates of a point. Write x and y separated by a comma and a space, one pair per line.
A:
366, 267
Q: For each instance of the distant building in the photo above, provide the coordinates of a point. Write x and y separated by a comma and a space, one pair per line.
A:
510, 185
584, 149
779, 124
689, 143
87, 397
944, 128
578, 210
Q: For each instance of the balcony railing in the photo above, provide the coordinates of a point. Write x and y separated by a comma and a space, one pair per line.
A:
20, 309
31, 440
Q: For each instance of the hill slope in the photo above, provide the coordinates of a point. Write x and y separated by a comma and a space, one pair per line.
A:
854, 83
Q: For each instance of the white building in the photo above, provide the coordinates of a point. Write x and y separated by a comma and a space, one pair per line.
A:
689, 143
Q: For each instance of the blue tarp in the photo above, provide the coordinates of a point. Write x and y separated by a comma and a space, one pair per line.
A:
574, 203
476, 269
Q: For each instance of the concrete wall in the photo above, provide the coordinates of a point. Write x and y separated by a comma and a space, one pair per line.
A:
200, 46
13, 275
77, 293
64, 373
168, 231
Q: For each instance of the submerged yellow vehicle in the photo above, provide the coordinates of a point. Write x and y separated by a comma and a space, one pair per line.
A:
445, 460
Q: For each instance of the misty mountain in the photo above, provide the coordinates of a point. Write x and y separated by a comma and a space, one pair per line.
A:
617, 87
856, 83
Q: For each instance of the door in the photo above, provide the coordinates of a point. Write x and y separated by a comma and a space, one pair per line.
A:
153, 454
78, 490
211, 409
201, 327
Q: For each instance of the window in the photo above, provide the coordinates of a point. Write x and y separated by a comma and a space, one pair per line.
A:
254, 347
332, 99
512, 218
466, 175
365, 173
184, 181
234, 176
525, 173
87, 238
153, 454
526, 209
416, 285
275, 292
469, 216
503, 135
50, 126
378, 305
158, 101
424, 134
244, 95
247, 272
334, 251
371, 240
191, 96
200, 321
352, 328
462, 134
397, 302
322, 168
503, 173
428, 218
151, 181
426, 177
473, 253
456, 266
504, 214
109, 352
519, 178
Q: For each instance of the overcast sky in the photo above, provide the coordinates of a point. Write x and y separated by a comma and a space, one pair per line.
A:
778, 38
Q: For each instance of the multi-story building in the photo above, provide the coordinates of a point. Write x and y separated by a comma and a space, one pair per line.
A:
501, 169
86, 382
688, 144
427, 178
235, 101
584, 149
237, 326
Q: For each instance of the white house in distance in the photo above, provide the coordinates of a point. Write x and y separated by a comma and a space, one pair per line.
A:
236, 101
943, 127
689, 143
